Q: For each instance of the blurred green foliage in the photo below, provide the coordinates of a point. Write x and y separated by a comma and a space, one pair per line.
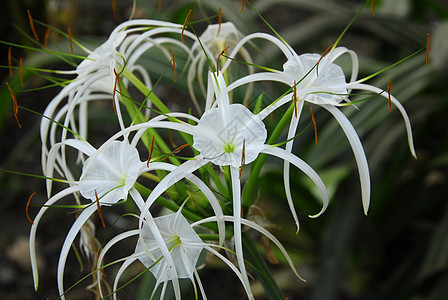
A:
398, 251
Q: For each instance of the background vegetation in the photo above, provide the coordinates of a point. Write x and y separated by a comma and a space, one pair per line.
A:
398, 251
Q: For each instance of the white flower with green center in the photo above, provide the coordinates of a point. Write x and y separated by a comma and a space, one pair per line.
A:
182, 241
331, 79
320, 81
220, 136
174, 237
108, 177
97, 79
111, 174
222, 133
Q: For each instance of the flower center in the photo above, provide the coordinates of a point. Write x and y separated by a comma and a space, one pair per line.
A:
176, 242
229, 147
221, 131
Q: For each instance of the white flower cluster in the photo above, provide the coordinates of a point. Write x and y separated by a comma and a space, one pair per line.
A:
227, 134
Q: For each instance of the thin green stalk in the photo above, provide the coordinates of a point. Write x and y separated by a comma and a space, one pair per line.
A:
262, 271
248, 195
145, 90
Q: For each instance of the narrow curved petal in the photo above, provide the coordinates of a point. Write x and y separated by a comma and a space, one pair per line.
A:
286, 49
261, 230
201, 288
214, 203
400, 107
106, 248
120, 272
76, 227
286, 164
33, 230
358, 151
234, 269
283, 154
179, 173
236, 192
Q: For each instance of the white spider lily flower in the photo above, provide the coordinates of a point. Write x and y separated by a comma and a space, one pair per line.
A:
106, 59
184, 246
211, 42
111, 173
238, 129
97, 78
222, 133
108, 177
181, 240
320, 81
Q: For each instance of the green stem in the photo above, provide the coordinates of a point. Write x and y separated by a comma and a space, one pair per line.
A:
262, 271
145, 90
248, 196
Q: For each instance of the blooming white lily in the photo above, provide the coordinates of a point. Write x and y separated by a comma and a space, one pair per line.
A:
109, 175
184, 247
320, 81
238, 129
113, 173
97, 78
211, 42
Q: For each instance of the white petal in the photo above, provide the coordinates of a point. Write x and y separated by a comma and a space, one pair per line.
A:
33, 230
400, 107
111, 173
306, 169
82, 218
236, 192
358, 151
291, 132
229, 126
106, 248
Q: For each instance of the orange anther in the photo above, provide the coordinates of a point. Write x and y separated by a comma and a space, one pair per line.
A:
27, 207
47, 34
10, 62
219, 21
314, 122
14, 104
21, 71
150, 151
114, 9
159, 5
117, 81
175, 151
97, 257
70, 40
242, 158
30, 19
174, 63
427, 49
317, 65
373, 7
295, 98
217, 60
98, 206
113, 94
388, 91
183, 27
242, 6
